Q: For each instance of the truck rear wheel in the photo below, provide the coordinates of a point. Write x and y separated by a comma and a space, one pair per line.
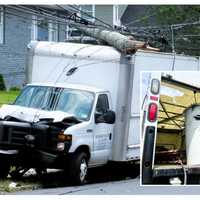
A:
79, 168
4, 169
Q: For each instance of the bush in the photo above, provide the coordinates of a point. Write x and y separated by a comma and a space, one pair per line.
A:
14, 89
2, 84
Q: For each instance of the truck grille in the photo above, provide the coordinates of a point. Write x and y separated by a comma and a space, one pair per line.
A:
18, 134
12, 134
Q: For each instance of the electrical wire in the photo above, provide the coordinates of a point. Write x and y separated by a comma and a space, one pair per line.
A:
38, 20
45, 27
66, 23
61, 21
108, 25
176, 26
139, 19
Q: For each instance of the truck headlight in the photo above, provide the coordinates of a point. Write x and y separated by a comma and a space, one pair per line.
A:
64, 138
64, 141
61, 146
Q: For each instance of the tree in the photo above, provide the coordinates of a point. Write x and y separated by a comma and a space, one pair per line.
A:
186, 37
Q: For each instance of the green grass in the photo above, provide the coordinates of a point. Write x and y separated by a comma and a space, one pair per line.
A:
8, 97
21, 185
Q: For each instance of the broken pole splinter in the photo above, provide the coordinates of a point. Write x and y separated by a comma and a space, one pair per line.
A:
121, 42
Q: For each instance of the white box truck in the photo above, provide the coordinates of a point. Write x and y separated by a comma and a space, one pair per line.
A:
170, 127
80, 108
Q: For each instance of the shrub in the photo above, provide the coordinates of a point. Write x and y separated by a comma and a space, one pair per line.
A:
2, 84
14, 89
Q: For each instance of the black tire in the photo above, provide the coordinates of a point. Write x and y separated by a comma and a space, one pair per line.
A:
4, 169
78, 161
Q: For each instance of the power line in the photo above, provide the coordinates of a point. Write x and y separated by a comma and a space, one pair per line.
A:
59, 20
139, 19
37, 20
164, 27
56, 20
51, 17
108, 25
24, 20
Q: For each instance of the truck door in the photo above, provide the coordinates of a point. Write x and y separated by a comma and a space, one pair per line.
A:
149, 122
103, 132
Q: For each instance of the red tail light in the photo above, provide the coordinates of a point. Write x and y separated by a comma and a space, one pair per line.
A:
152, 114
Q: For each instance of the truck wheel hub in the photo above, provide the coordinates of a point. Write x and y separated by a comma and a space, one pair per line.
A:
83, 169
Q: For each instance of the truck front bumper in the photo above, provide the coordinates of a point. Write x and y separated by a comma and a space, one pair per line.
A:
9, 152
33, 158
40, 151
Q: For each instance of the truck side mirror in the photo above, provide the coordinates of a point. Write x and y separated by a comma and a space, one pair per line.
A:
107, 117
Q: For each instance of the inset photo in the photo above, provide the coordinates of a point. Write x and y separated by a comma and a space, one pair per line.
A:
170, 128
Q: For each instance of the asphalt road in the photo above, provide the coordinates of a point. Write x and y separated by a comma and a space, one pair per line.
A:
127, 187
102, 181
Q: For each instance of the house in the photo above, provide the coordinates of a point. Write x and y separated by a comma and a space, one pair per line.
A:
17, 28
19, 24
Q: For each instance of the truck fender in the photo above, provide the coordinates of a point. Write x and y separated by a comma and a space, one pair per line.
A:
79, 144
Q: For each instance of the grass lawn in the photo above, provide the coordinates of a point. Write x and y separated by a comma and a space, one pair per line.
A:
8, 97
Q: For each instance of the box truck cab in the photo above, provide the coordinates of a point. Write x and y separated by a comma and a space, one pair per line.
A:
58, 120
170, 128
75, 112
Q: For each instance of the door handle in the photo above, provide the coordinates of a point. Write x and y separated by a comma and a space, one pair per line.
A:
110, 136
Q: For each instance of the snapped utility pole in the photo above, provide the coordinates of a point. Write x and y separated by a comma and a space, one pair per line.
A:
121, 42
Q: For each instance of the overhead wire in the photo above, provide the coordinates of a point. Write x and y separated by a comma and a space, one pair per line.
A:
139, 19
38, 20
97, 19
61, 21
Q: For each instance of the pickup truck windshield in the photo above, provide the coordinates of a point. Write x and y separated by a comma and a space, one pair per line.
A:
75, 102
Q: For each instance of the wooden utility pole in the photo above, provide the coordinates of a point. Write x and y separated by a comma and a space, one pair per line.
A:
121, 42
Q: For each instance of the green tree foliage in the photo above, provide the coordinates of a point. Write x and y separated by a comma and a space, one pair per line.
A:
186, 38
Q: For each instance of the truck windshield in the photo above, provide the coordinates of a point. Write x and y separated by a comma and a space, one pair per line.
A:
75, 102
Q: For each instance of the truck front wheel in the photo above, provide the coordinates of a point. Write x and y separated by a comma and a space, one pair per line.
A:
79, 168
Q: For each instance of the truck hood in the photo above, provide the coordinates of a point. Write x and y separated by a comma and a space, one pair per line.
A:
31, 114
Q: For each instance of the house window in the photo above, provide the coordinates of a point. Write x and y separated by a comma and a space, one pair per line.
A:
1, 25
53, 31
116, 20
90, 10
44, 29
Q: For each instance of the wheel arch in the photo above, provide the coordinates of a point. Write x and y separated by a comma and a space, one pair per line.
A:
85, 149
